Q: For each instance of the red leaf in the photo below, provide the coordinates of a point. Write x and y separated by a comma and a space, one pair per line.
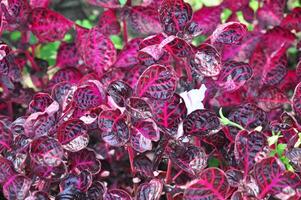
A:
48, 25
105, 3
207, 19
206, 61
128, 56
271, 98
292, 20
108, 23
72, 134
98, 52
144, 20
229, 33
212, 184
248, 146
67, 55
157, 82
273, 179
174, 15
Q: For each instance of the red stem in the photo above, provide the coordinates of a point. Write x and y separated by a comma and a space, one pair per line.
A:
168, 178
131, 158
125, 32
177, 175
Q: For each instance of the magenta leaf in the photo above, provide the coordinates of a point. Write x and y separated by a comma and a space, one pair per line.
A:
139, 142
206, 61
89, 95
73, 135
105, 3
40, 102
147, 128
61, 91
271, 13
98, 51
200, 123
144, 20
207, 18
138, 108
191, 159
128, 56
169, 113
120, 92
273, 179
150, 191
6, 138
17, 187
174, 15
49, 172
296, 100
234, 75
69, 74
46, 151
113, 127
143, 165
271, 98
117, 194
48, 25
157, 82
212, 184
229, 33
39, 3
178, 47
291, 21
6, 170
84, 160
67, 55
248, 146
108, 23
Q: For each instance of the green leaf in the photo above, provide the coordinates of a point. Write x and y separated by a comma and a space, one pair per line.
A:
32, 39
225, 15
273, 140
280, 149
122, 2
117, 41
84, 23
48, 52
254, 5
68, 37
213, 162
198, 40
15, 36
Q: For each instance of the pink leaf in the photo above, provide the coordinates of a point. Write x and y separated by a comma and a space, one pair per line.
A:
67, 55
98, 52
108, 23
271, 13
84, 160
157, 82
229, 33
39, 3
48, 25
212, 184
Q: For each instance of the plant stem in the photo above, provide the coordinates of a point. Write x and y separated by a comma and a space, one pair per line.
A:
131, 158
225, 121
168, 177
125, 32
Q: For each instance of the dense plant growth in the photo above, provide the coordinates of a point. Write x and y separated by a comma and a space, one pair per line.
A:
116, 114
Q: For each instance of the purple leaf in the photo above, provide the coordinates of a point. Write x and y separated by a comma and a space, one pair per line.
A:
105, 3
296, 100
6, 138
157, 82
200, 122
17, 187
108, 23
206, 61
113, 127
174, 15
273, 179
67, 55
128, 56
138, 108
81, 181
147, 128
73, 135
234, 75
144, 20
98, 51
169, 113
46, 151
117, 194
271, 13
89, 95
212, 184
150, 191
6, 170
120, 92
143, 165
248, 146
84, 160
191, 159
207, 18
40, 102
294, 156
69, 74
229, 33
97, 189
234, 177
48, 25
139, 142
